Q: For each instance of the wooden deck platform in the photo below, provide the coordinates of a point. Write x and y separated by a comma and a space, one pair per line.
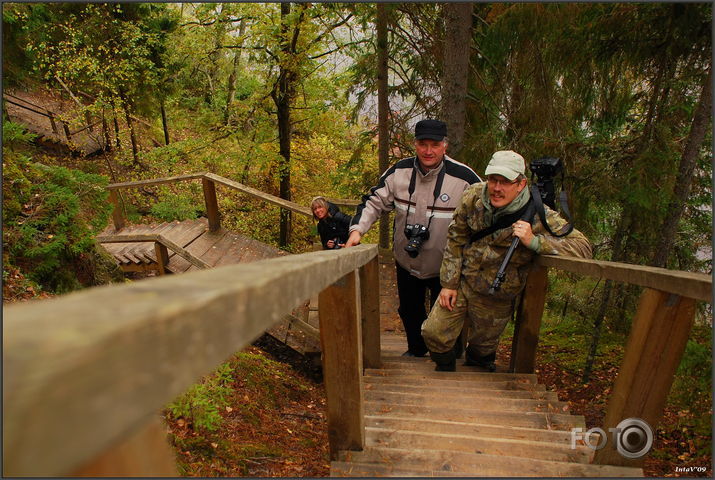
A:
223, 247
468, 423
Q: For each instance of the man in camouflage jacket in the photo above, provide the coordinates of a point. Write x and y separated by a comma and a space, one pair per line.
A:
468, 268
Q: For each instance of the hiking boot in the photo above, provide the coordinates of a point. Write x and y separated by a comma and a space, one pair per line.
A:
446, 362
486, 361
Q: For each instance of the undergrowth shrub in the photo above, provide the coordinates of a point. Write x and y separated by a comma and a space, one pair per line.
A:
200, 405
175, 207
50, 216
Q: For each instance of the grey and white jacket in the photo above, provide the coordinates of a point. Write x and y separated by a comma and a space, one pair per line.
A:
436, 195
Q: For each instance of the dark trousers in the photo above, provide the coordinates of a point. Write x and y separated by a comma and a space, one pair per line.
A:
411, 291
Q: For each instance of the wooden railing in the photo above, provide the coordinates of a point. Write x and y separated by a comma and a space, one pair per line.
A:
52, 116
162, 245
209, 181
657, 340
86, 375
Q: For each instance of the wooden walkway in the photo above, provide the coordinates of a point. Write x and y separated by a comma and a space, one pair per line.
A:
214, 248
222, 247
468, 423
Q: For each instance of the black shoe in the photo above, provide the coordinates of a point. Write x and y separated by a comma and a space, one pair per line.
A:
487, 361
410, 354
446, 362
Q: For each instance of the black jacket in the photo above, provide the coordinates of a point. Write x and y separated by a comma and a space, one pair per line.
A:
334, 225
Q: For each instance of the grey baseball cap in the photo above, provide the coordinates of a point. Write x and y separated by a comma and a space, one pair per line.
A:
506, 163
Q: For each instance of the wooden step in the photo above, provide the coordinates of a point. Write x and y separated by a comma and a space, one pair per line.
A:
491, 401
432, 375
464, 428
559, 452
550, 421
450, 383
484, 389
421, 364
379, 461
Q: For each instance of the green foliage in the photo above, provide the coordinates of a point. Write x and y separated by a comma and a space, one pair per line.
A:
200, 405
175, 207
50, 215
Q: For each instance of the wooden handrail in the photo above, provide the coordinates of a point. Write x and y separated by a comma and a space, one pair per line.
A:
158, 238
659, 334
688, 284
85, 371
209, 180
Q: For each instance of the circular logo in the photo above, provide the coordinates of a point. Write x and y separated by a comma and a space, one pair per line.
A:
444, 197
634, 438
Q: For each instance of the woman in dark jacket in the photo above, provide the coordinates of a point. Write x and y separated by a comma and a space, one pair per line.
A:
333, 224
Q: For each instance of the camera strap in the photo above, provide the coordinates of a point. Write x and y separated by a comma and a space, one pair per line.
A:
435, 193
536, 197
503, 222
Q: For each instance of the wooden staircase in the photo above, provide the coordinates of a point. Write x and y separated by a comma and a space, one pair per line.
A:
468, 423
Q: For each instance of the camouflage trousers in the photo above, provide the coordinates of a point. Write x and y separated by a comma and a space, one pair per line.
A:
487, 319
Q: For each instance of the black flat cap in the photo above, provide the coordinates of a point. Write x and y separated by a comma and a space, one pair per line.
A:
430, 129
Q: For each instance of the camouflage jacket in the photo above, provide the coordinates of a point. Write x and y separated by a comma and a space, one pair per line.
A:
478, 262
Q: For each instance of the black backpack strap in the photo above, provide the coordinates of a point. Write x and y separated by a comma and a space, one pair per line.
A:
536, 197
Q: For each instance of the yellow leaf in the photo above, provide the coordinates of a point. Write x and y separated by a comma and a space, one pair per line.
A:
229, 409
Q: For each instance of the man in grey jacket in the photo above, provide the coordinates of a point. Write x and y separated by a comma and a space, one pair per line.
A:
424, 191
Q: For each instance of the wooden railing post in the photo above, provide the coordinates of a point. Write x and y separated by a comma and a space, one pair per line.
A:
528, 322
51, 116
660, 331
66, 128
211, 204
340, 333
117, 216
162, 257
370, 313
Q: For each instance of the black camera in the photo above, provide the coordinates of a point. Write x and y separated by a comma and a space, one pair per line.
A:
545, 169
336, 244
416, 234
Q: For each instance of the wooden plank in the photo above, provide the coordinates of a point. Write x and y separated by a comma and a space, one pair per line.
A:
460, 385
487, 402
424, 364
209, 189
551, 421
154, 181
145, 453
370, 313
187, 231
468, 429
377, 437
438, 462
288, 205
122, 352
686, 284
201, 248
528, 322
456, 392
155, 238
340, 333
162, 257
428, 375
659, 333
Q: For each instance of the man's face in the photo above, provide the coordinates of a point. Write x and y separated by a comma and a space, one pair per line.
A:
430, 152
503, 191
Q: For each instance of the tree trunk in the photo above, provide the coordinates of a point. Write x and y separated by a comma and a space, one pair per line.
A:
215, 55
616, 254
283, 94
684, 180
164, 123
234, 73
458, 35
383, 110
132, 136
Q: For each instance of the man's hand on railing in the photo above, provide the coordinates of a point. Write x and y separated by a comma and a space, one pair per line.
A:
353, 239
